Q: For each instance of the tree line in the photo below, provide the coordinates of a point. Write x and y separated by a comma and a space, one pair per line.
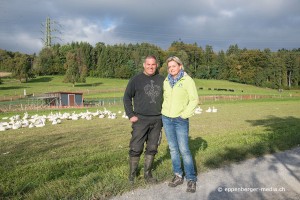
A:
77, 60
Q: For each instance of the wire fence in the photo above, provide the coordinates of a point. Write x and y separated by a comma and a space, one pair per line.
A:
27, 104
211, 98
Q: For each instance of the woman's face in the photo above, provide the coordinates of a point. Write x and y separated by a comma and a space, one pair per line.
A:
173, 68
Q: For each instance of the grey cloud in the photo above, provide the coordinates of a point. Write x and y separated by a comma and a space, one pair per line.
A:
251, 24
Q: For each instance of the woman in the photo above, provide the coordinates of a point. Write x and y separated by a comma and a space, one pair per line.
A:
180, 101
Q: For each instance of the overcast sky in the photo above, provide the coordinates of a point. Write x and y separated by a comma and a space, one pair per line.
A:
252, 24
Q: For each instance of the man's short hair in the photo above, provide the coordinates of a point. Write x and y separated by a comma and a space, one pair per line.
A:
150, 57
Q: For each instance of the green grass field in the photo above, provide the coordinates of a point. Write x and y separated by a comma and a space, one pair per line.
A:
89, 159
93, 88
99, 88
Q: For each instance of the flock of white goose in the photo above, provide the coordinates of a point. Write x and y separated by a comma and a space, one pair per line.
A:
27, 121
199, 110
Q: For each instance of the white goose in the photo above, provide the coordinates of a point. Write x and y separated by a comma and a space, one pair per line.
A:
214, 109
112, 116
3, 128
31, 125
209, 109
17, 125
198, 110
124, 116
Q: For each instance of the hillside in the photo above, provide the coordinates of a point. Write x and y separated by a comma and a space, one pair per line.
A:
99, 88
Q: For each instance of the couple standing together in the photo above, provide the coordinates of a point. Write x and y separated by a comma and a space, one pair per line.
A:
152, 101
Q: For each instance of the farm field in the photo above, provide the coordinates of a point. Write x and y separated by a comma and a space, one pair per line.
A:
88, 159
99, 88
93, 88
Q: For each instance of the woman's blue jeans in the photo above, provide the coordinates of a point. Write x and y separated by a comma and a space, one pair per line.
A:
177, 133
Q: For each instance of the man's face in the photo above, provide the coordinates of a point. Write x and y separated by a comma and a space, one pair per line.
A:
150, 66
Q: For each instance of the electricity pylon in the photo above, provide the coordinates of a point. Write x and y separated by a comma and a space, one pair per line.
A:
48, 36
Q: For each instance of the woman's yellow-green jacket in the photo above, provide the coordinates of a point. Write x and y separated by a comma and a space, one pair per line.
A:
181, 100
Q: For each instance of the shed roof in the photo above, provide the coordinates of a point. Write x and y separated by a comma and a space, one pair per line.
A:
64, 93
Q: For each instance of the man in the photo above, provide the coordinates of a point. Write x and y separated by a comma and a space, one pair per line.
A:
142, 102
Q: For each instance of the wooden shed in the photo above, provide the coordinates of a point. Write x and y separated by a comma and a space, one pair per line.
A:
64, 99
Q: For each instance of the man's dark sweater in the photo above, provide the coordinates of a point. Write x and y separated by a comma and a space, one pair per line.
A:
144, 95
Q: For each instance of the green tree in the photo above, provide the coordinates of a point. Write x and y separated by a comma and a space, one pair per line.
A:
96, 52
193, 56
291, 68
275, 71
22, 68
222, 67
6, 60
44, 62
233, 50
126, 71
76, 71
58, 61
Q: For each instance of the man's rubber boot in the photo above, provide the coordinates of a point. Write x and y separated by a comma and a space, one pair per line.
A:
147, 169
133, 166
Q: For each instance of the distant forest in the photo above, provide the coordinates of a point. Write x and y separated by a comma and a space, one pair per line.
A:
78, 60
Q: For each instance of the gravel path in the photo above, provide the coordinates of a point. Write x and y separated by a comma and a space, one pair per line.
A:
257, 178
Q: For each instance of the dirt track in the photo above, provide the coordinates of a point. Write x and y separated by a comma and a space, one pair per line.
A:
271, 177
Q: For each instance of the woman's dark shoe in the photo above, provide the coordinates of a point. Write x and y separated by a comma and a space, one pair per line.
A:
177, 180
191, 186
